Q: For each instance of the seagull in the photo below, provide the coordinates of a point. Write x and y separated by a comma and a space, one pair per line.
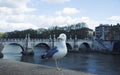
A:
58, 51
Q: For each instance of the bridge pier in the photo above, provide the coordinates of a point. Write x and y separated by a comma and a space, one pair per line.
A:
28, 51
28, 48
75, 45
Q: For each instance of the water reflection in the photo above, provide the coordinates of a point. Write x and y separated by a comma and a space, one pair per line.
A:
12, 52
99, 64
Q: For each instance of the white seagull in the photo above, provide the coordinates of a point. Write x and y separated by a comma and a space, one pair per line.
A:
58, 51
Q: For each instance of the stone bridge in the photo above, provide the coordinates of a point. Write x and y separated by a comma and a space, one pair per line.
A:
27, 45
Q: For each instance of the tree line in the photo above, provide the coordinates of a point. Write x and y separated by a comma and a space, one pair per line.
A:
81, 33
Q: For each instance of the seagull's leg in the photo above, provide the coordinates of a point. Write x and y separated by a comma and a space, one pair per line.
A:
56, 62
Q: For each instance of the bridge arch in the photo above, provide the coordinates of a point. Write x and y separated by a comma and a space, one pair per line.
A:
46, 46
84, 46
69, 47
17, 45
116, 47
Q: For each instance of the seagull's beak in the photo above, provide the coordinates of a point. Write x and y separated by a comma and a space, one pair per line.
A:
59, 38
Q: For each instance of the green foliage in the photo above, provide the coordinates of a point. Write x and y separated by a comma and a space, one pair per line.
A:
81, 33
1, 34
20, 34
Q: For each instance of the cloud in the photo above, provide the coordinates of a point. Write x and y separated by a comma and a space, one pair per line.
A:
48, 21
14, 15
6, 27
8, 7
22, 26
13, 4
91, 23
114, 18
68, 11
10, 23
16, 19
54, 20
12, 11
55, 1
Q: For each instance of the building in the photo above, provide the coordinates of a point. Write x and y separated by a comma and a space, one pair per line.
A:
78, 26
70, 27
107, 32
101, 31
90, 34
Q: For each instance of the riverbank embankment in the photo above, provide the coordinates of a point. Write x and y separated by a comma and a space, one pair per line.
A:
10, 67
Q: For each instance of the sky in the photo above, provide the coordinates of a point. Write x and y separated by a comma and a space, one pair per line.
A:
25, 14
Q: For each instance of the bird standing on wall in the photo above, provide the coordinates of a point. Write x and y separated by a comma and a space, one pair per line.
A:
58, 51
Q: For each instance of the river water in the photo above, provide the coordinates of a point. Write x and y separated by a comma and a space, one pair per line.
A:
96, 63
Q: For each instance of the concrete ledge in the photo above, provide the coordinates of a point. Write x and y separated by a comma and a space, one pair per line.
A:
9, 67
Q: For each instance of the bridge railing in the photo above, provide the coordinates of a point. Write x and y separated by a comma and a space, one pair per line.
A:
44, 40
11, 40
33, 40
20, 40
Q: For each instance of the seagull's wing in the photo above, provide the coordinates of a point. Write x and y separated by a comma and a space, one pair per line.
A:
50, 53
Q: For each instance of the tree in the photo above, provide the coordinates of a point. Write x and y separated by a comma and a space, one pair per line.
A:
1, 34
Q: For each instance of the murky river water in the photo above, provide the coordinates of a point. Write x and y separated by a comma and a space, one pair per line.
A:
96, 63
